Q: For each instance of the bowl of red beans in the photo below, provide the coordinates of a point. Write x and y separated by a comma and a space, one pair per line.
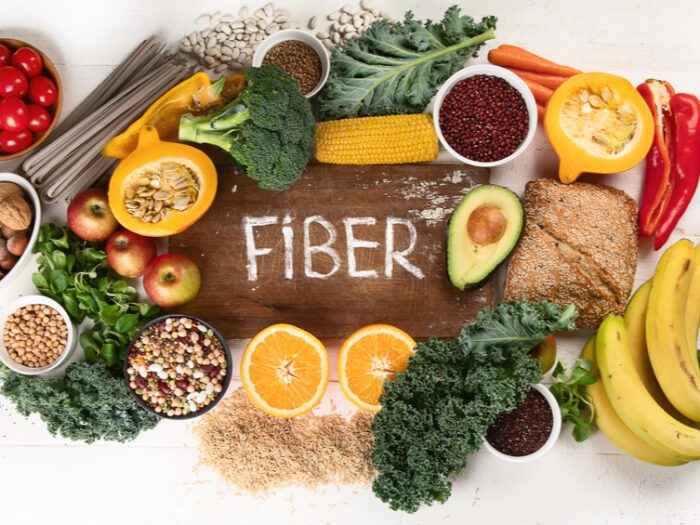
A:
485, 115
30, 97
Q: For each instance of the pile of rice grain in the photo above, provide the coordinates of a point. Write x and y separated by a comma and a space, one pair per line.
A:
257, 452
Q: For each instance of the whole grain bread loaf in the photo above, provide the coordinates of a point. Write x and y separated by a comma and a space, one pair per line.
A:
579, 247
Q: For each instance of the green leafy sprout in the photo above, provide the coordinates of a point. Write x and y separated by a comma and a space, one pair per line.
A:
569, 391
76, 274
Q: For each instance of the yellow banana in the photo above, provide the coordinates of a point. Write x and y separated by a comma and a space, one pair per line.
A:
613, 427
635, 324
692, 310
632, 402
667, 339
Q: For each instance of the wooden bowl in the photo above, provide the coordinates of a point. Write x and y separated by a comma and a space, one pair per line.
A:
54, 109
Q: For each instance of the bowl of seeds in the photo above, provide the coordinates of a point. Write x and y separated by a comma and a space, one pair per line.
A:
527, 432
300, 54
37, 335
178, 367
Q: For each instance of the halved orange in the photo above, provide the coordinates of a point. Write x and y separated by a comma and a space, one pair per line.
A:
370, 356
284, 370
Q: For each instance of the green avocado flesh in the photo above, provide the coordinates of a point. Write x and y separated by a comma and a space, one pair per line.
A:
483, 231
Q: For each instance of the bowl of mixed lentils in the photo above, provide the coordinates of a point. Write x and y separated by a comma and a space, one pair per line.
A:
178, 367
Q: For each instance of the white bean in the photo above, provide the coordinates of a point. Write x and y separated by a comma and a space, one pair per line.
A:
313, 21
334, 15
366, 5
203, 20
268, 9
243, 12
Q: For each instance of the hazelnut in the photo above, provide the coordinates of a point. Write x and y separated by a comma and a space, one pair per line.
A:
8, 263
17, 244
8, 232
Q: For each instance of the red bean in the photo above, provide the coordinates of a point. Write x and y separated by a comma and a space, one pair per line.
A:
484, 118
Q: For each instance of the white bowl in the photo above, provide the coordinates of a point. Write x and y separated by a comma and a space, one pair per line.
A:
495, 71
556, 430
35, 203
18, 303
302, 36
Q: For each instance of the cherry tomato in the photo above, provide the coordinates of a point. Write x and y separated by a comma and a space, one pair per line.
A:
13, 83
4, 55
39, 118
12, 142
14, 115
42, 91
27, 61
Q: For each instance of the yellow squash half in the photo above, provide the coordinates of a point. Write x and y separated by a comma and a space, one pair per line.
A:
161, 188
598, 123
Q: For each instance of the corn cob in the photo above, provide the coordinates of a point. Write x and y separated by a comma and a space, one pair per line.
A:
394, 139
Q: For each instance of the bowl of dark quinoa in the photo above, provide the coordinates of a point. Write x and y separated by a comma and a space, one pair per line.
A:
178, 367
529, 431
485, 115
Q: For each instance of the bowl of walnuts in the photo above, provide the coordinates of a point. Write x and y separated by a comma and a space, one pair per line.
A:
20, 218
36, 335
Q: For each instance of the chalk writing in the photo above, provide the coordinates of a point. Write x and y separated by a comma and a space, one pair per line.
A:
320, 239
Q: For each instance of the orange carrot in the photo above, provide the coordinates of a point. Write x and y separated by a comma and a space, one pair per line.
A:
513, 56
545, 79
540, 113
542, 94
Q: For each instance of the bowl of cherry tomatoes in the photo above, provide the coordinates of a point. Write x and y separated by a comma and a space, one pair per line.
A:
30, 97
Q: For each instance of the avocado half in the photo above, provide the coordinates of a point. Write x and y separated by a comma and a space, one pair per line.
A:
483, 231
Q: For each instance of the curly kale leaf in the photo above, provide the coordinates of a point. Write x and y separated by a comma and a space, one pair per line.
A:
437, 412
396, 68
86, 405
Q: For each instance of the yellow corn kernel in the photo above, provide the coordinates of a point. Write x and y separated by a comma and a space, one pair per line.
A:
394, 139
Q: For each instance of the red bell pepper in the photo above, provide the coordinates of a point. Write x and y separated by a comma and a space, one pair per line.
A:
659, 162
685, 109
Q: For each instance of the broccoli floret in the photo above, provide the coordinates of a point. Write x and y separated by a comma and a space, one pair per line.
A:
268, 129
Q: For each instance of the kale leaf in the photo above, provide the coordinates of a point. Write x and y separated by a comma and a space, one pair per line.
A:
396, 68
88, 404
437, 412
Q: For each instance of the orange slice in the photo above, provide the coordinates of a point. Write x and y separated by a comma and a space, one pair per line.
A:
369, 357
285, 370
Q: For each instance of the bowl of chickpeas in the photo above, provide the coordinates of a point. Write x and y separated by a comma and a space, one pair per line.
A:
36, 335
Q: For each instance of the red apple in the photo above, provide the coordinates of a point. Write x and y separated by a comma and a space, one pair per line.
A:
129, 253
89, 216
172, 280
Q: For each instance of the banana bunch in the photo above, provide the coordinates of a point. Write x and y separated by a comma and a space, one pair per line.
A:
647, 399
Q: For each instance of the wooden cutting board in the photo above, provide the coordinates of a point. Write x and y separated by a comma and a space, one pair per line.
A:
346, 246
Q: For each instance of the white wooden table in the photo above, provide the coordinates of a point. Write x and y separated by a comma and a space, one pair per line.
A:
155, 479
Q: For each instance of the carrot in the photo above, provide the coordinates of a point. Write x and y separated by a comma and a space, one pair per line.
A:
540, 113
513, 56
542, 94
544, 79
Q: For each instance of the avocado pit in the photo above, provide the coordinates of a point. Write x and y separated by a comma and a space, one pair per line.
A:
486, 225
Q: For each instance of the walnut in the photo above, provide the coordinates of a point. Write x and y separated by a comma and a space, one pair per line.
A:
10, 189
15, 213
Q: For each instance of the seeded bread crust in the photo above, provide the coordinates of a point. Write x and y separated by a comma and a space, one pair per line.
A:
579, 246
